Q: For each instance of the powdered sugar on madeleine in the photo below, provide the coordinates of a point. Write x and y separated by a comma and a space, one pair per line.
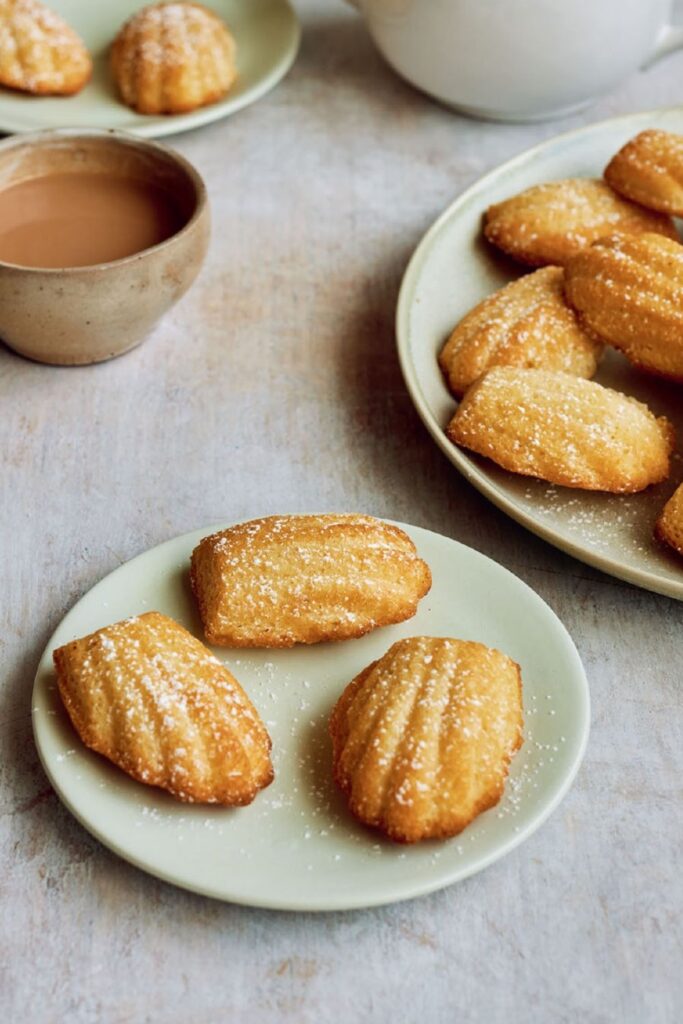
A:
283, 580
527, 323
550, 223
152, 699
563, 429
422, 739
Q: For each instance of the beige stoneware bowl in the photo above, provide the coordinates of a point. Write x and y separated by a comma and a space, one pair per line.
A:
77, 315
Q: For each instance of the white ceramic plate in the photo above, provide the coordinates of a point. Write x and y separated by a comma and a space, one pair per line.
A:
297, 847
267, 36
451, 270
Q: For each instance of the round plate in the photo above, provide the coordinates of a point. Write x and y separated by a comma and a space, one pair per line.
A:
266, 32
451, 270
297, 847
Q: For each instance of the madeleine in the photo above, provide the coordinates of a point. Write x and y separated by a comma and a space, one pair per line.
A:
548, 224
649, 170
627, 291
422, 739
288, 580
171, 58
564, 430
154, 701
527, 323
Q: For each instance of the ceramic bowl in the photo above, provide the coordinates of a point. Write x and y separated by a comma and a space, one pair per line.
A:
77, 315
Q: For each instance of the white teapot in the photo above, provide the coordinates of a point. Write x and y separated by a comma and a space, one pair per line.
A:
519, 60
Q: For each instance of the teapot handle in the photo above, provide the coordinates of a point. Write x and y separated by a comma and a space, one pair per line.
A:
670, 39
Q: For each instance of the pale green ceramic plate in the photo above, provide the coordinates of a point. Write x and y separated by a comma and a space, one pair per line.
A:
296, 847
451, 270
267, 35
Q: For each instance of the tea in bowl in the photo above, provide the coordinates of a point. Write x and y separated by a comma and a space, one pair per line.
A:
100, 234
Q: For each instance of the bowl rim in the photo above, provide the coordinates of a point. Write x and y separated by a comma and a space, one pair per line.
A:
122, 138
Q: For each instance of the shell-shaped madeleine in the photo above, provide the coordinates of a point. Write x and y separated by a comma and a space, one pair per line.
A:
563, 429
669, 527
150, 697
526, 323
550, 223
628, 290
284, 580
649, 170
422, 738
170, 58
39, 52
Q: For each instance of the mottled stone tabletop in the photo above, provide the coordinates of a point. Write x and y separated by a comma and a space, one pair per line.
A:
274, 386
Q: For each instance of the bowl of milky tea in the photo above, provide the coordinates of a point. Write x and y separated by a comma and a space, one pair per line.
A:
100, 234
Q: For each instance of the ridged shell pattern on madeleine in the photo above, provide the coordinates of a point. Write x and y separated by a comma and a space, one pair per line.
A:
526, 323
649, 170
283, 580
669, 527
39, 52
171, 58
150, 697
550, 223
628, 290
563, 429
422, 738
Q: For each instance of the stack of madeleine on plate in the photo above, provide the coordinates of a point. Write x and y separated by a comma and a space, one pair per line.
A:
422, 738
168, 58
611, 274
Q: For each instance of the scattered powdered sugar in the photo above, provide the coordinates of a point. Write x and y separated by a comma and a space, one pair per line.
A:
303, 808
595, 524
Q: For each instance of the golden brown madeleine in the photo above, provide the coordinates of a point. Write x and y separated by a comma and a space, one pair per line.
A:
550, 223
39, 52
649, 170
171, 58
526, 323
422, 738
288, 580
669, 526
156, 702
563, 429
628, 290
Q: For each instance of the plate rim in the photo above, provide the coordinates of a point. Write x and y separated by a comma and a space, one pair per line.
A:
161, 126
515, 838
642, 578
